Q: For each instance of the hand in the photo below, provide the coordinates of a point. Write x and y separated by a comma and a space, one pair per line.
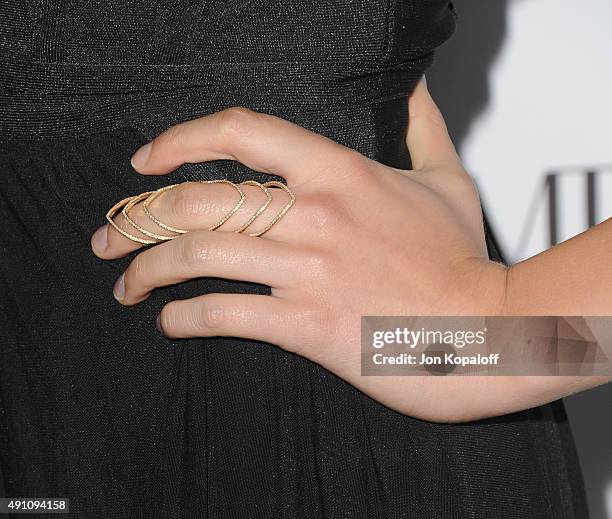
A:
361, 239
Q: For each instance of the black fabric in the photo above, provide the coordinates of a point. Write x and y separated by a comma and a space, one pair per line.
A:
84, 66
95, 405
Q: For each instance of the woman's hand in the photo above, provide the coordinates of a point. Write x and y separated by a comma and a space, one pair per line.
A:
361, 239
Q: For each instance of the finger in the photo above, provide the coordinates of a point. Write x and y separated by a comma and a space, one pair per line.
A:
206, 254
262, 142
427, 139
123, 236
257, 317
195, 206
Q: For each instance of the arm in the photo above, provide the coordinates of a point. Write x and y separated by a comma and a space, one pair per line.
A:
573, 278
361, 239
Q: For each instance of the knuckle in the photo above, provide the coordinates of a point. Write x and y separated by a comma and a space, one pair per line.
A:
173, 136
236, 122
325, 211
349, 164
211, 315
194, 250
313, 318
188, 201
320, 265
318, 324
352, 160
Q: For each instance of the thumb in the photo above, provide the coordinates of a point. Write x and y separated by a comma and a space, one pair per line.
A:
428, 141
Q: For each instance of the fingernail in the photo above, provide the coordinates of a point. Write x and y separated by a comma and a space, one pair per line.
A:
424, 79
99, 240
119, 288
158, 324
141, 156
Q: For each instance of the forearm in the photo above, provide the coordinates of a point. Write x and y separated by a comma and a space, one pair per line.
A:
572, 278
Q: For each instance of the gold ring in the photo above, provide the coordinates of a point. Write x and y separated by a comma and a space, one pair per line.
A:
127, 208
113, 211
262, 208
281, 213
145, 206
147, 197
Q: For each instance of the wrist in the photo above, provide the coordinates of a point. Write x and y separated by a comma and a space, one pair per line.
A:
572, 278
529, 292
500, 275
490, 288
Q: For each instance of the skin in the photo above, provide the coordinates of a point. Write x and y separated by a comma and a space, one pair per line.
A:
425, 255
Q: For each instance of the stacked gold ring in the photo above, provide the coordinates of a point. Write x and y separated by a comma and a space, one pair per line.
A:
125, 206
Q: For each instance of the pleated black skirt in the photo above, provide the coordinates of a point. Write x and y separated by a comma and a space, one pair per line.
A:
98, 407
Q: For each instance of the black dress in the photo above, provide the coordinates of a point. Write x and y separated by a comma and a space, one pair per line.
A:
95, 405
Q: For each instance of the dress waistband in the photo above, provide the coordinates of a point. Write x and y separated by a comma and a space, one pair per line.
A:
58, 99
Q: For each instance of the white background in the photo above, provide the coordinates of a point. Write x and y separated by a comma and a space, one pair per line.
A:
550, 107
526, 87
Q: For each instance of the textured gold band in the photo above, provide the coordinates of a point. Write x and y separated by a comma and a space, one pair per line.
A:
111, 214
261, 209
282, 212
232, 212
125, 212
127, 204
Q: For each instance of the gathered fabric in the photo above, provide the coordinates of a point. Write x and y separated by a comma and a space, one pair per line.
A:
96, 405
